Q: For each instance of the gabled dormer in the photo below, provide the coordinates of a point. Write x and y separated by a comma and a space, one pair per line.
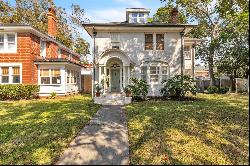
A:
137, 15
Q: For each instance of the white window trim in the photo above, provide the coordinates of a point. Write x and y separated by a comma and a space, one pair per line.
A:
189, 48
71, 77
50, 75
11, 65
5, 41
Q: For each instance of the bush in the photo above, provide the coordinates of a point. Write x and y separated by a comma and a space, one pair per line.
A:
212, 89
17, 92
174, 87
52, 95
139, 89
223, 90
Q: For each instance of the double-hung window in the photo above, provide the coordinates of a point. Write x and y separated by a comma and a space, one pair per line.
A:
149, 42
137, 18
10, 74
154, 72
164, 73
50, 76
159, 41
187, 53
144, 73
8, 43
43, 48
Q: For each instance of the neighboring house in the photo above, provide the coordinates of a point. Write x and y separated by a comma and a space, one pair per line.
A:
136, 48
28, 56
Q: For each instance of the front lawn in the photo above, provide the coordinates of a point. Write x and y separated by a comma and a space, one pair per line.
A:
211, 130
35, 131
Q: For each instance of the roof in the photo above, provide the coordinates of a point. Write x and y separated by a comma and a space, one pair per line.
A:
126, 24
57, 60
27, 27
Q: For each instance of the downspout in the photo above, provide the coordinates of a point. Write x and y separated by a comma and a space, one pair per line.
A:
182, 51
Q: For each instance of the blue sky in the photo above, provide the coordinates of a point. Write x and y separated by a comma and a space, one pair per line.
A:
100, 11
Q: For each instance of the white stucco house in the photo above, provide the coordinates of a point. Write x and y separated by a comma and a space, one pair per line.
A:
137, 48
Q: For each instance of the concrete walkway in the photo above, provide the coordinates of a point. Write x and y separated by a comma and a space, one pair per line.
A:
104, 141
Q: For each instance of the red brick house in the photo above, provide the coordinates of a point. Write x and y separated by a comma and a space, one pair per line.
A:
28, 56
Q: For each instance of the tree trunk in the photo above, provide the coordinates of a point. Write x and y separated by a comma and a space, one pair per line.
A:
211, 71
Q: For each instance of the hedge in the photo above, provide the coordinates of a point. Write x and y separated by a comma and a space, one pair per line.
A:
17, 92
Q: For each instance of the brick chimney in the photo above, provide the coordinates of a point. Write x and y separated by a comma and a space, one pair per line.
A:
174, 14
52, 22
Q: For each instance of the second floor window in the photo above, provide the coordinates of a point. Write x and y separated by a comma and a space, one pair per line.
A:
137, 18
8, 43
159, 41
43, 48
149, 42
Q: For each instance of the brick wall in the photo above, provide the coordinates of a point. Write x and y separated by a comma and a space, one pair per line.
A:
87, 83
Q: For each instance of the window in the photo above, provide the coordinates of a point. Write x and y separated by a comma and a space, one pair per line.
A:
159, 41
5, 75
59, 53
154, 72
144, 73
56, 76
187, 54
45, 76
8, 43
164, 73
68, 76
10, 74
50, 76
148, 41
137, 18
16, 74
43, 48
1, 42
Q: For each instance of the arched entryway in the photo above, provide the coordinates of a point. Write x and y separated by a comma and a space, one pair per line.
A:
114, 70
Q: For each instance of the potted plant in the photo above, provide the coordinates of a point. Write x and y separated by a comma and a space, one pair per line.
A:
127, 91
98, 90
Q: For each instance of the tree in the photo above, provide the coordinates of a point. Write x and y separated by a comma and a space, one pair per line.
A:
234, 42
206, 14
163, 15
34, 12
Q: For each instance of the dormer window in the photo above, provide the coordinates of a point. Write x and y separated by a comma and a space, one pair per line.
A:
137, 18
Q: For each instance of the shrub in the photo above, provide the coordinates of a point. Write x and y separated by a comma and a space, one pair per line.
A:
223, 90
139, 88
178, 86
17, 92
212, 89
52, 95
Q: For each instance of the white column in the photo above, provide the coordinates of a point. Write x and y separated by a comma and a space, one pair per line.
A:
128, 74
100, 74
121, 79
124, 76
105, 77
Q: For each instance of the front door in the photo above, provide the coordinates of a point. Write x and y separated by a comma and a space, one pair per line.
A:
115, 80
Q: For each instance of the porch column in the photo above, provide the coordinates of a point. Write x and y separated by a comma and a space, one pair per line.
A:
124, 76
100, 74
105, 77
121, 79
128, 74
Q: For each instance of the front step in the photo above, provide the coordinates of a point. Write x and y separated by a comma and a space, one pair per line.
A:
112, 99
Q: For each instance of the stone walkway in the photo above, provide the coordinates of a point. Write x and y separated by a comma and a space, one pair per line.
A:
104, 141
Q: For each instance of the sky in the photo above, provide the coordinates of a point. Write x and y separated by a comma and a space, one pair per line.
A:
103, 11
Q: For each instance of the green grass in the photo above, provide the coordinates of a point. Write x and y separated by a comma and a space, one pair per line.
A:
211, 130
36, 131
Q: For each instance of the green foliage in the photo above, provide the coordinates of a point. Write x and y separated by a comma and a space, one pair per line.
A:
127, 89
163, 15
35, 132
139, 88
35, 13
17, 92
212, 89
178, 86
98, 88
223, 90
52, 95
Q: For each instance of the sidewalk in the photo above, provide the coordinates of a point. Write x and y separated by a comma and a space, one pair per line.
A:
104, 141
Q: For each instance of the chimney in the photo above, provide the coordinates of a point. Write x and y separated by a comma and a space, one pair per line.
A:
52, 22
174, 14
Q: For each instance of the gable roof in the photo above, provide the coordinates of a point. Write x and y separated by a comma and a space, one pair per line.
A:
14, 27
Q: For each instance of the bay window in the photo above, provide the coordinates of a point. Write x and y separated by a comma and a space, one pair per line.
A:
50, 76
164, 73
56, 76
144, 73
45, 76
8, 42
